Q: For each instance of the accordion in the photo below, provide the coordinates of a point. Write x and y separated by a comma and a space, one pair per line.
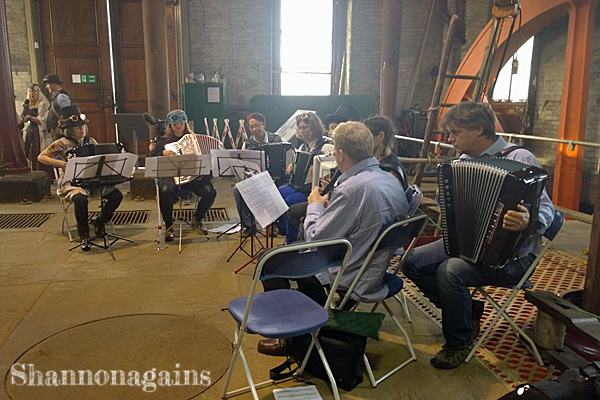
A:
474, 197
277, 156
90, 149
300, 169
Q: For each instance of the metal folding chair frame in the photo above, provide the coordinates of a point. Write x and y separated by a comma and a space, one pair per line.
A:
241, 327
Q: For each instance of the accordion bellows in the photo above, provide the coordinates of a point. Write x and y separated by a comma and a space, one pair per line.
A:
475, 195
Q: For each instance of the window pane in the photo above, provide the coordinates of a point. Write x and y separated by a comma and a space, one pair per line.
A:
299, 84
516, 89
306, 39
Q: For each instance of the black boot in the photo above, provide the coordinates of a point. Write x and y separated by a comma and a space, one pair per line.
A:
98, 222
84, 235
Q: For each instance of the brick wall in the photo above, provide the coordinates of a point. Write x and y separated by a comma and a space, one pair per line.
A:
19, 50
364, 54
232, 38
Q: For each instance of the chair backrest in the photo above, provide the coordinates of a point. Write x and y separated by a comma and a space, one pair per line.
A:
414, 195
555, 226
208, 143
390, 238
300, 260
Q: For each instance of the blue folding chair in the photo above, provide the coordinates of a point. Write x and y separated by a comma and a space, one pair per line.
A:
523, 284
391, 237
286, 313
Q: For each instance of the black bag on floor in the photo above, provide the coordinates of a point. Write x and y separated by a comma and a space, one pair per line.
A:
344, 352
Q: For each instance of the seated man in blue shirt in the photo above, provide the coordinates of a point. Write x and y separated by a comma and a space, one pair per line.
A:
445, 281
365, 199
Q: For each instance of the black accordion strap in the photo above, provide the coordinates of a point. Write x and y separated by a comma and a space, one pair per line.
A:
508, 150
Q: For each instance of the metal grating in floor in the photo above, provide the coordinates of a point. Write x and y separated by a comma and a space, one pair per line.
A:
126, 217
213, 215
23, 221
502, 353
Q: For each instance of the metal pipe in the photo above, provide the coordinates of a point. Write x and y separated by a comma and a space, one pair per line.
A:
434, 109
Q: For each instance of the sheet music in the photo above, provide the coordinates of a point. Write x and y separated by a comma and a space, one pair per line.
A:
86, 167
297, 393
221, 161
262, 197
172, 166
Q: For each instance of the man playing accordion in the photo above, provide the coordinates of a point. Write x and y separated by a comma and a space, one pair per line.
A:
446, 280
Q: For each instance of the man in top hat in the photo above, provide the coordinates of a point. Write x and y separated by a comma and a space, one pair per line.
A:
58, 99
74, 124
344, 113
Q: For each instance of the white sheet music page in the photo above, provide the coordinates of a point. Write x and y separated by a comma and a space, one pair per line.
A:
262, 197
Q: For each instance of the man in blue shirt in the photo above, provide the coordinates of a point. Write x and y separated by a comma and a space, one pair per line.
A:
446, 281
365, 199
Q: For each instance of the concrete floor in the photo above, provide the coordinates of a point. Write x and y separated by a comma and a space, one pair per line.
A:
45, 290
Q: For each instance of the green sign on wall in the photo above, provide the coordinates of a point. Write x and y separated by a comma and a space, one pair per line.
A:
88, 79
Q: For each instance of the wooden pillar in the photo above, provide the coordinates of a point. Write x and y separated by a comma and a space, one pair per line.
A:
390, 55
155, 52
11, 151
574, 103
591, 288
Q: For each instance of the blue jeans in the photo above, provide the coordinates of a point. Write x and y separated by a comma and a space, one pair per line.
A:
446, 281
286, 227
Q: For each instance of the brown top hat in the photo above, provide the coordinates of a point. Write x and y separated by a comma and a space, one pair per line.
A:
51, 78
71, 116
342, 114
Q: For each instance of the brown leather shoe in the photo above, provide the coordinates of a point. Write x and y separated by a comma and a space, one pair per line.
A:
273, 347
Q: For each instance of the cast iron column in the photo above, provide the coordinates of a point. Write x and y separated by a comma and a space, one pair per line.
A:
155, 51
390, 54
11, 151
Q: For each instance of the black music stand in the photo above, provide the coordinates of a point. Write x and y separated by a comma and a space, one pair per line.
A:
99, 172
242, 172
177, 166
132, 128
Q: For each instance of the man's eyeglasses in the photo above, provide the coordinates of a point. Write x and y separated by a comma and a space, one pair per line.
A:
176, 118
304, 128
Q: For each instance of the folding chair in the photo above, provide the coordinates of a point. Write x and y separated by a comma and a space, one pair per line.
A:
286, 313
64, 205
391, 237
414, 195
523, 284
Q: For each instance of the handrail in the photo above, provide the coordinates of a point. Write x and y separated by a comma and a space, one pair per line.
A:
571, 143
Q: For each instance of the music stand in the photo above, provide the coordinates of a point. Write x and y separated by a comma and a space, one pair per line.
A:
132, 128
178, 166
265, 204
99, 172
221, 160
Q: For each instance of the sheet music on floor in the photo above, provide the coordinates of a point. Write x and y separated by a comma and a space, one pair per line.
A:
298, 393
86, 167
262, 197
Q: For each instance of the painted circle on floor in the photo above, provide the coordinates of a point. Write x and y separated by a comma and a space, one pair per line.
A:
126, 357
